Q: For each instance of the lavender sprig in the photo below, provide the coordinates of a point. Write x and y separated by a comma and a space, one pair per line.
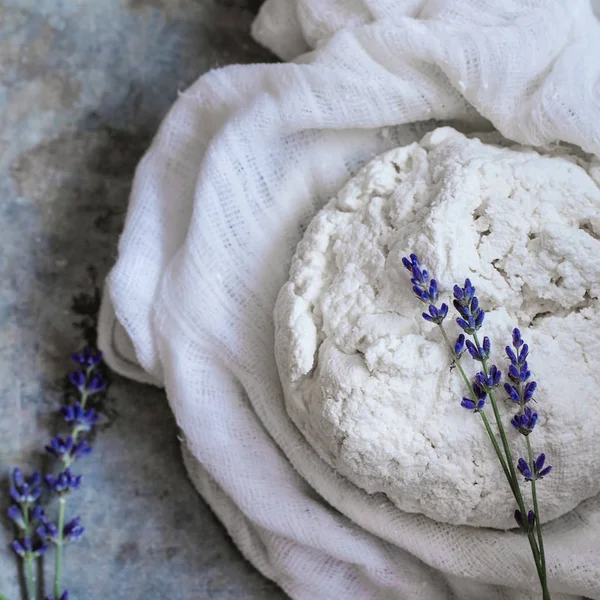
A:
520, 391
67, 450
25, 514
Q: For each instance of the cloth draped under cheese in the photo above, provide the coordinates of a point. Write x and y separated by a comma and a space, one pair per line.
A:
243, 160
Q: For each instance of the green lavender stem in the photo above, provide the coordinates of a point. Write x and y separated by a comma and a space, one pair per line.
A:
58, 565
28, 559
58, 569
538, 525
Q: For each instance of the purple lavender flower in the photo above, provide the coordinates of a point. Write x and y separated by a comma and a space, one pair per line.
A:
96, 384
78, 379
15, 514
525, 526
467, 304
67, 451
490, 381
538, 471
459, 345
36, 513
425, 290
73, 530
479, 354
89, 357
524, 423
470, 404
25, 490
436, 315
64, 483
82, 419
60, 448
26, 547
47, 530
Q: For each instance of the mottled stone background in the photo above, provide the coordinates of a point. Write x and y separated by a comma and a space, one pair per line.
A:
83, 87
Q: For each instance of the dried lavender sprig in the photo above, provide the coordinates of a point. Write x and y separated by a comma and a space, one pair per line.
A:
470, 320
25, 513
420, 281
88, 381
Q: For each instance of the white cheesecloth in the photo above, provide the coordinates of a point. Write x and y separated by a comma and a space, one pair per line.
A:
243, 160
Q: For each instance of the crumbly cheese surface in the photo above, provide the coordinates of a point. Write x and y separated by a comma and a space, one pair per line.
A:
370, 384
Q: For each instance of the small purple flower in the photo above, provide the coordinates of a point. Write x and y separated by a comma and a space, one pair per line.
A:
517, 339
83, 419
16, 516
64, 483
96, 384
425, 289
25, 490
490, 381
525, 526
89, 357
81, 449
47, 530
26, 547
524, 423
470, 404
530, 388
512, 392
539, 472
60, 448
467, 304
524, 469
73, 531
436, 315
78, 379
459, 346
66, 450
37, 513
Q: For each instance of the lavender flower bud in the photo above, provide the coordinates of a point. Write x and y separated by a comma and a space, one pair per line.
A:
524, 469
83, 419
512, 392
60, 448
26, 547
64, 483
47, 530
520, 522
26, 490
96, 384
78, 379
529, 391
16, 516
540, 471
88, 358
470, 405
517, 339
73, 531
511, 355
459, 346
524, 423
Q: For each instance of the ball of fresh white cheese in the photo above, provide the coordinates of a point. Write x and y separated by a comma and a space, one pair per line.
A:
371, 385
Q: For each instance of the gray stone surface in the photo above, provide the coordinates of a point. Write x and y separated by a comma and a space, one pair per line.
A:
83, 87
